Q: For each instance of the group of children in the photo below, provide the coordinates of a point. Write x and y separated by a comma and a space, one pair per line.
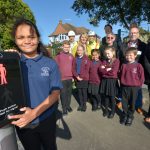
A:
100, 80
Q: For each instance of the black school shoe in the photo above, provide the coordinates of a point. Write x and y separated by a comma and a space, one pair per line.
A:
123, 119
64, 113
83, 108
94, 108
99, 106
129, 121
69, 109
105, 113
79, 108
111, 115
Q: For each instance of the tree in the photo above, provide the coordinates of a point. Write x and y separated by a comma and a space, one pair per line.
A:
10, 10
114, 11
55, 48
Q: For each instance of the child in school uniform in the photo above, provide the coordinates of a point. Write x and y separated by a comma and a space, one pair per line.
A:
65, 61
94, 80
109, 70
81, 66
131, 78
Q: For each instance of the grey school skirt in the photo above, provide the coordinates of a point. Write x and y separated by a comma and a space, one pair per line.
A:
109, 87
93, 89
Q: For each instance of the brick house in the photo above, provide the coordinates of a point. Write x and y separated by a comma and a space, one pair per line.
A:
61, 32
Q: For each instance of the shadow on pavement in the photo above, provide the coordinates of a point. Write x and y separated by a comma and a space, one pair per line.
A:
63, 131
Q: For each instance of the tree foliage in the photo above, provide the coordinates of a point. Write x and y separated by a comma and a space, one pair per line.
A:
55, 48
114, 11
10, 10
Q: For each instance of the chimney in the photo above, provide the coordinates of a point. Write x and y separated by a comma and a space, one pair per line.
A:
60, 21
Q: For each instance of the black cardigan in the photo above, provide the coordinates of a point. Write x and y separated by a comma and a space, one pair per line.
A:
147, 64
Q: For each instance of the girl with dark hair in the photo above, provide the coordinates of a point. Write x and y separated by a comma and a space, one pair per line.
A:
33, 29
95, 80
36, 126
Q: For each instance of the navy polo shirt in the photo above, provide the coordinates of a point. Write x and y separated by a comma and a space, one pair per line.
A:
40, 76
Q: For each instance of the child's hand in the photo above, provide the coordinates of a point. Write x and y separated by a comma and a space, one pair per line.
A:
103, 67
79, 79
23, 119
108, 69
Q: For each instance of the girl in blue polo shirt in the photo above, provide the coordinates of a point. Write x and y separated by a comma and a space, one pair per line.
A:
36, 126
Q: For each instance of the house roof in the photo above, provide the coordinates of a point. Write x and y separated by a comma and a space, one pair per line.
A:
65, 28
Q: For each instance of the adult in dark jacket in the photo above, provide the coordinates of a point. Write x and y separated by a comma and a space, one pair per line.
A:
134, 41
147, 75
108, 29
111, 41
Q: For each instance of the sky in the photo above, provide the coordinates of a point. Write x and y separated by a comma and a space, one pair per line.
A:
48, 13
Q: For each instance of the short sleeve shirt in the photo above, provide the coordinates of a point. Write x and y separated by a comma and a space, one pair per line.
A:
40, 76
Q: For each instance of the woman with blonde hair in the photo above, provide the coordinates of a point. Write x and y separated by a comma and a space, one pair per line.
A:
83, 40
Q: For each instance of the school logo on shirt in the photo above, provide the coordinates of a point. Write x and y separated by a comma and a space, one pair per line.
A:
45, 71
134, 70
85, 62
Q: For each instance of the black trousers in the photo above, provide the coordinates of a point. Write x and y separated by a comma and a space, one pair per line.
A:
149, 100
129, 96
109, 101
96, 99
44, 135
65, 94
82, 93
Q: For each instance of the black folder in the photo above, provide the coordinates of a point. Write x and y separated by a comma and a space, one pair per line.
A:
12, 96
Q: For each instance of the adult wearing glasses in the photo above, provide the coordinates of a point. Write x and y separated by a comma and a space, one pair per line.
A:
108, 29
134, 41
111, 41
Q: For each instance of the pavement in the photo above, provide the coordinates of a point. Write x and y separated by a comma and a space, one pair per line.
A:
91, 131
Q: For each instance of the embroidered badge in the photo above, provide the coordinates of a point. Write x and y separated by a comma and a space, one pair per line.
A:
45, 71
134, 70
85, 61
